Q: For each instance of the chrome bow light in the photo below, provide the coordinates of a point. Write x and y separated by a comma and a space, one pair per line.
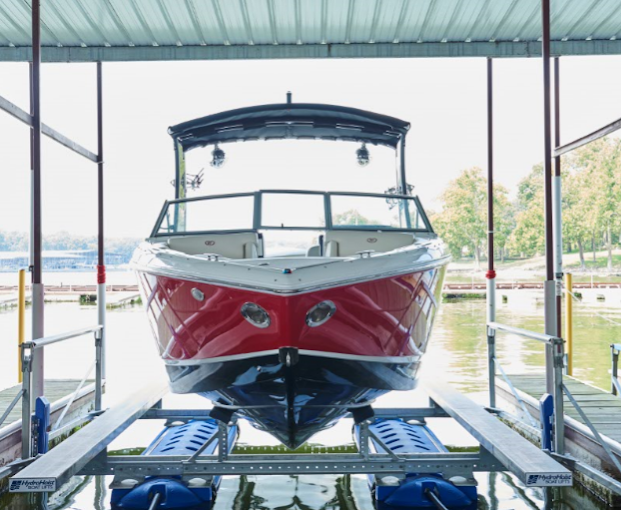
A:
320, 313
255, 315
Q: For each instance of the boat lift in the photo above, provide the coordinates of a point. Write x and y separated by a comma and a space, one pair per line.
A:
501, 449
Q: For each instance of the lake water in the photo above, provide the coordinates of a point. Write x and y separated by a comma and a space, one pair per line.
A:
457, 353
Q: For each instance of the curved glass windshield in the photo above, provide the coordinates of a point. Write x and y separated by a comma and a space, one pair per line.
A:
292, 210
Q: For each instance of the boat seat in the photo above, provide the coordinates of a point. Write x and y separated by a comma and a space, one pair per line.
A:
244, 245
345, 243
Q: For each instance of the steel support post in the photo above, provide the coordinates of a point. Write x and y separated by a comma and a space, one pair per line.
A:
550, 291
101, 261
557, 201
491, 273
559, 412
37, 281
99, 365
615, 369
569, 325
402, 173
491, 364
180, 186
26, 404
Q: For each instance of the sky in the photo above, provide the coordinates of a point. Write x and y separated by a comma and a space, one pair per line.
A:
443, 99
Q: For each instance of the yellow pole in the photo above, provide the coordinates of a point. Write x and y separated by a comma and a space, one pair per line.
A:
21, 314
569, 329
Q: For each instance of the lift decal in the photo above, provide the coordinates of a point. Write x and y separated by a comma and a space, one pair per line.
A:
549, 480
33, 485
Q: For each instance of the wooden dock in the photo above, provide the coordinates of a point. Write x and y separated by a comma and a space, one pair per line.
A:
58, 392
602, 408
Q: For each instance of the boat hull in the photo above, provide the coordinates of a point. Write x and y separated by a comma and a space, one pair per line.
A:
292, 400
371, 345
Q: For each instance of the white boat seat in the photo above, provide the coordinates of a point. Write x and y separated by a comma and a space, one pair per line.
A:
345, 243
244, 245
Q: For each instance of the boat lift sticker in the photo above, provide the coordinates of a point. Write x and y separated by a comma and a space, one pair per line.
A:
549, 480
33, 485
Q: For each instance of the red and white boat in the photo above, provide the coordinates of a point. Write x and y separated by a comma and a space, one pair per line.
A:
292, 341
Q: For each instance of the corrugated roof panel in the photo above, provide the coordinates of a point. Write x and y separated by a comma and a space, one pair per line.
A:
531, 29
151, 10
17, 24
138, 33
606, 19
437, 19
233, 17
513, 20
489, 19
336, 20
592, 18
463, 29
286, 28
260, 22
213, 21
412, 21
387, 19
283, 14
311, 17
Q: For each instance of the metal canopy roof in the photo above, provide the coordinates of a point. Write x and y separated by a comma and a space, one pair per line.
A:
291, 120
122, 30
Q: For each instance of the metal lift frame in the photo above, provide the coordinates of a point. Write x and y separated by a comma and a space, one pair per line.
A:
553, 285
85, 453
37, 128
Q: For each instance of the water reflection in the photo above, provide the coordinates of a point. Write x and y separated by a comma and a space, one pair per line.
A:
457, 353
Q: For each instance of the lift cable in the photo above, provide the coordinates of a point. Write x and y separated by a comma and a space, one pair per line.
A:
433, 497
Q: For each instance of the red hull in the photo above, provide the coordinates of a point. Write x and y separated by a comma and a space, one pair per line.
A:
388, 317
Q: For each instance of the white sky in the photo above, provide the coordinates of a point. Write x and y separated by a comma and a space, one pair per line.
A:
444, 100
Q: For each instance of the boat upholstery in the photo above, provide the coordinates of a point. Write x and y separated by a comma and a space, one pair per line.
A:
244, 245
344, 243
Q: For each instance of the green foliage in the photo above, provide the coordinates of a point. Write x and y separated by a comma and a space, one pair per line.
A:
18, 241
351, 217
463, 220
527, 238
591, 191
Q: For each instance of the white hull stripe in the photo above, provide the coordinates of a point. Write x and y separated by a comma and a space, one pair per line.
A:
401, 360
181, 275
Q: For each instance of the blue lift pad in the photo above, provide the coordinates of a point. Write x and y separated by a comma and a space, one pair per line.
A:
176, 494
403, 437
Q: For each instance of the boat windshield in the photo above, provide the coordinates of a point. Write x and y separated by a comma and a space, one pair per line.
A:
292, 210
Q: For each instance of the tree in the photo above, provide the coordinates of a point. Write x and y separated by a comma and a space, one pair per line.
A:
599, 164
463, 220
578, 211
350, 217
528, 236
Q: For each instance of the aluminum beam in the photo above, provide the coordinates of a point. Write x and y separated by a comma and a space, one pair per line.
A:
530, 464
591, 137
65, 460
449, 464
415, 413
307, 51
23, 116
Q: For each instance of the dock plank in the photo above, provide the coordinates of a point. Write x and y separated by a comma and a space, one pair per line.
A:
55, 389
601, 407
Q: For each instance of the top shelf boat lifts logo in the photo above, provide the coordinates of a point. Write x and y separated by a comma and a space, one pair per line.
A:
33, 485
